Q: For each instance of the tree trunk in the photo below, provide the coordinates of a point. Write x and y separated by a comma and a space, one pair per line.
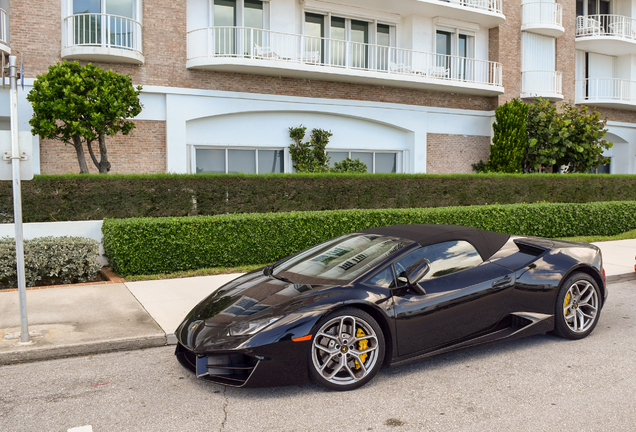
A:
89, 144
104, 165
79, 150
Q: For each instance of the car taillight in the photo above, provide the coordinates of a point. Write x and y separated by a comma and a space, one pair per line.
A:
604, 278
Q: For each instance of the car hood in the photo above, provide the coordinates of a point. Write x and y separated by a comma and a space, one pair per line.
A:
249, 297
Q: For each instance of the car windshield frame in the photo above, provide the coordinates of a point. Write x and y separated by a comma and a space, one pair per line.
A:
349, 257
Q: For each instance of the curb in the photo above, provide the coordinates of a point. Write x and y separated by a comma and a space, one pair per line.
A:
621, 277
31, 354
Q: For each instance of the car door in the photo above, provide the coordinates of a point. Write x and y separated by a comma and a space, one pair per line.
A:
460, 296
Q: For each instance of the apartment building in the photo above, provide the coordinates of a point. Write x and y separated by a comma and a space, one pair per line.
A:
407, 86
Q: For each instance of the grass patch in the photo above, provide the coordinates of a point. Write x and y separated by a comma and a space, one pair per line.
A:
589, 239
193, 273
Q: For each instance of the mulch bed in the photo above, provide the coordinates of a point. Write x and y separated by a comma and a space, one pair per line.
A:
105, 276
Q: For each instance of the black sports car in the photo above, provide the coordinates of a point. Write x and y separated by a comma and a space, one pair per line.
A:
340, 310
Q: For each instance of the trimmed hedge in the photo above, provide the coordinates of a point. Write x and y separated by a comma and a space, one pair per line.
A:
96, 197
163, 245
70, 259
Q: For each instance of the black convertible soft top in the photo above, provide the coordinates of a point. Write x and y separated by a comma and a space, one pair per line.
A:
486, 242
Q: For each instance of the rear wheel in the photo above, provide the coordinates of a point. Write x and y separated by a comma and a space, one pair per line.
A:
578, 307
347, 350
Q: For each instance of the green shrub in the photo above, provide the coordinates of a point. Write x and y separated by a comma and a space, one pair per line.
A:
53, 198
163, 245
309, 156
71, 259
573, 138
510, 139
349, 166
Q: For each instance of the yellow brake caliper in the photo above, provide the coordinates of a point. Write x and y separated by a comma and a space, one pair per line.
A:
362, 345
567, 302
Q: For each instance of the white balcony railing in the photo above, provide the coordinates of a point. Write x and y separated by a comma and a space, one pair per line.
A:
101, 31
487, 5
541, 83
542, 13
605, 90
606, 25
266, 45
3, 27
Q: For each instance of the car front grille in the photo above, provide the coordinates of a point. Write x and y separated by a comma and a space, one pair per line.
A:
228, 369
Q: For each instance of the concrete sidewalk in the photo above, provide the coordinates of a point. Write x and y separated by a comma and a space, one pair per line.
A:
81, 320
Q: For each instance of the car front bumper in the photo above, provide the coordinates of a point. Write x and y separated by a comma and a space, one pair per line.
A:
282, 363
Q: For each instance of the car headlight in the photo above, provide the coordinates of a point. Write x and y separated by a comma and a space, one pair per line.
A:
251, 327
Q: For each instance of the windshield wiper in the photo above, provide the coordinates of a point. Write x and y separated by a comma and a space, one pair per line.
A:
281, 278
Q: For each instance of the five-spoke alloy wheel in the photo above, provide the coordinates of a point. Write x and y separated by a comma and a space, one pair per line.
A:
347, 350
578, 307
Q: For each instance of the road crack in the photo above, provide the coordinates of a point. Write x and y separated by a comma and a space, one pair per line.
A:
225, 403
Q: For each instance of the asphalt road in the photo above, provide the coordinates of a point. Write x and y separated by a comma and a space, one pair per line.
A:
537, 384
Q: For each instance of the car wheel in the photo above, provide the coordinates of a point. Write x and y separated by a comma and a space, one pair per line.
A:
578, 307
347, 350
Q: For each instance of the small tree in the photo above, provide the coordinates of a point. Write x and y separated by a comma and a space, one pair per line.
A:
510, 138
309, 156
572, 138
83, 104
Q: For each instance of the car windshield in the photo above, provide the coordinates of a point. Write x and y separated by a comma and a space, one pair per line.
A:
341, 259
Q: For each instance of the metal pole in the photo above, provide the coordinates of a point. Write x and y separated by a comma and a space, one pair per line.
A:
17, 199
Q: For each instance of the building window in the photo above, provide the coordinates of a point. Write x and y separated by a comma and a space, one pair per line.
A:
238, 160
99, 22
349, 42
376, 162
454, 51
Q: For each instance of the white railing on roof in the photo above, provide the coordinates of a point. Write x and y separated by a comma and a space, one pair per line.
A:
606, 25
101, 30
3, 27
266, 45
542, 13
541, 83
605, 90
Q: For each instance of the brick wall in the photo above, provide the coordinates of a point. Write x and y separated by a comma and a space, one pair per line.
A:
142, 151
566, 50
509, 50
36, 31
454, 154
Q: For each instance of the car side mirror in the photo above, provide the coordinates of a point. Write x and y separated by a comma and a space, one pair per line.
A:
417, 271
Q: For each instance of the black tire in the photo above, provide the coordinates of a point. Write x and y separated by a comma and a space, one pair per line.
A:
333, 339
575, 318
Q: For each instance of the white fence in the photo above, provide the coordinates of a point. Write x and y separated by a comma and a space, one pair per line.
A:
101, 30
606, 25
605, 89
251, 43
541, 83
542, 13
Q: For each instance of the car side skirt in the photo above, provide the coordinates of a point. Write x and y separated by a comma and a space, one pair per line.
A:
521, 324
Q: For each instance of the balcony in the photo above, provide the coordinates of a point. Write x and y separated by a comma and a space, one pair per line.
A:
102, 37
606, 34
543, 17
606, 92
265, 52
487, 13
544, 84
4, 33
